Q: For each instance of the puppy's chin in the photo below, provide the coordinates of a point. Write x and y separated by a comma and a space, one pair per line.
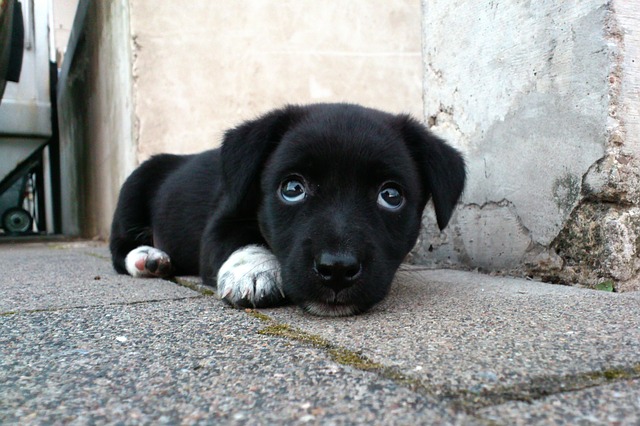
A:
304, 288
330, 309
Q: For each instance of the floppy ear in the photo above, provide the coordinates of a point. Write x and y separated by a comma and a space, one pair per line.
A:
246, 148
442, 167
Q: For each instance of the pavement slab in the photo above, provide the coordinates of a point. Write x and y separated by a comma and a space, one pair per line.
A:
614, 404
64, 275
184, 361
82, 344
481, 340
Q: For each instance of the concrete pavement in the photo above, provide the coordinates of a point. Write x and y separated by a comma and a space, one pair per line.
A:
81, 344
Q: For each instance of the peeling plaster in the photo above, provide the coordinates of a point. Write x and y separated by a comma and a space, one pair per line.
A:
471, 231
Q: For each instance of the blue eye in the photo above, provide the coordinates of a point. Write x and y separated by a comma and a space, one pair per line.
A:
390, 197
292, 190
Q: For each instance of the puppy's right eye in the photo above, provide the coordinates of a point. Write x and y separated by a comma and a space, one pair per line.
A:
390, 196
292, 190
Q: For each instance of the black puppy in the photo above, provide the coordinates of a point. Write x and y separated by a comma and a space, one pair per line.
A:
316, 205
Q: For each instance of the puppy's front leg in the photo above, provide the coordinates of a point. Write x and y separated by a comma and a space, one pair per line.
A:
250, 277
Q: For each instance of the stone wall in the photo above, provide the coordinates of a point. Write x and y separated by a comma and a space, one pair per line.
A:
543, 99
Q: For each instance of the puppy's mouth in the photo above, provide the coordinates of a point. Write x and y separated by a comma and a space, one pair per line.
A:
329, 303
330, 309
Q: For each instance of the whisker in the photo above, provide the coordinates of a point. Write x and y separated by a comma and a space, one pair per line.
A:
140, 233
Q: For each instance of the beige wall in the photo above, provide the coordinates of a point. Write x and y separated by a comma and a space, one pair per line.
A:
202, 66
148, 77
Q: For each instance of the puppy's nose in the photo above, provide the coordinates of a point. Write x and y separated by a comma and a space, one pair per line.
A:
337, 270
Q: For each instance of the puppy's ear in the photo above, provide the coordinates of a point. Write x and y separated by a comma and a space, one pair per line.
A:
441, 166
246, 148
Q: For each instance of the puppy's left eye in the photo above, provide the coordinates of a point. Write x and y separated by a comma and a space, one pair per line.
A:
390, 197
292, 190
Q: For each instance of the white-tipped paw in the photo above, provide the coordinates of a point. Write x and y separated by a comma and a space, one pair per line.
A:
250, 277
146, 261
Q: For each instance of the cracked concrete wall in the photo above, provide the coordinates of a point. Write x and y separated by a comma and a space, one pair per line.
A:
542, 97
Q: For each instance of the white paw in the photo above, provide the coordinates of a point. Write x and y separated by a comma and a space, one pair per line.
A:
146, 261
250, 277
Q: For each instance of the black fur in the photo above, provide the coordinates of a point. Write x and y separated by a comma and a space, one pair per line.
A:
201, 208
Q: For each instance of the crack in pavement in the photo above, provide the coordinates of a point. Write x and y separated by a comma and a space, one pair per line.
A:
463, 400
71, 308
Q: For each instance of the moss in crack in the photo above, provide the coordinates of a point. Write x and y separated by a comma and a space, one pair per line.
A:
338, 354
286, 331
538, 388
346, 357
259, 315
402, 379
615, 374
191, 285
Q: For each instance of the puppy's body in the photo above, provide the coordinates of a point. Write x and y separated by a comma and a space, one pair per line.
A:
166, 203
322, 202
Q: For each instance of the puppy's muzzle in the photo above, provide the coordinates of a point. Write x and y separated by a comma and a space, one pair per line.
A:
337, 271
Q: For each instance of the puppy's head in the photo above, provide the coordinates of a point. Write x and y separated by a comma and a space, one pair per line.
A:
339, 192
